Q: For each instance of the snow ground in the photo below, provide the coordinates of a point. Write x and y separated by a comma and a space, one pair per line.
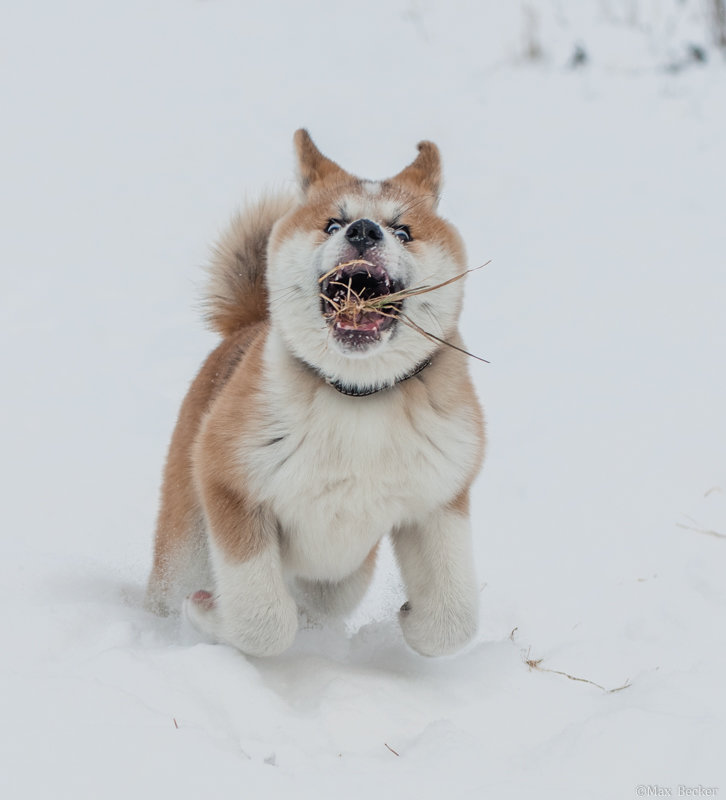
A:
131, 132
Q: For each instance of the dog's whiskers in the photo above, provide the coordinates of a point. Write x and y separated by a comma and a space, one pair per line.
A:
426, 307
285, 294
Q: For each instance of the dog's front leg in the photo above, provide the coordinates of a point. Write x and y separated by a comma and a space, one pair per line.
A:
437, 566
251, 607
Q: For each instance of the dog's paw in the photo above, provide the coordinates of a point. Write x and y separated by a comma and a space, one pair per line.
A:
201, 611
438, 631
267, 632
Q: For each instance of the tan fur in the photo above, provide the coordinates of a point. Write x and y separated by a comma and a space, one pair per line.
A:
179, 528
460, 503
421, 218
425, 172
236, 293
320, 206
232, 514
314, 167
449, 386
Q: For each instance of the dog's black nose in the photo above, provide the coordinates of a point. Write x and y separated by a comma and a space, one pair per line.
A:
364, 233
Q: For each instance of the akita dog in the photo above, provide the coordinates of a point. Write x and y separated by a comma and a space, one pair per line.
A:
308, 435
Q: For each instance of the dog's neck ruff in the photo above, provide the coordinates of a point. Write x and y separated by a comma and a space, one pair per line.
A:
364, 391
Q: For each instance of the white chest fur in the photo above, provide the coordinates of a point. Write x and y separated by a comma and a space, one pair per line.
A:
340, 472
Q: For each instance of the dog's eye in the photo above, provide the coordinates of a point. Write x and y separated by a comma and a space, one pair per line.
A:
403, 233
333, 226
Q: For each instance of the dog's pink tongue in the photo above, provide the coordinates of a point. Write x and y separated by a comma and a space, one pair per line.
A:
367, 321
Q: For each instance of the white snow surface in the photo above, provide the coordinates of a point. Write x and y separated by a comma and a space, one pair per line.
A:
131, 131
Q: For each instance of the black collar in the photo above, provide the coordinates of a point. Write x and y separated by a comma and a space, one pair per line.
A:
364, 391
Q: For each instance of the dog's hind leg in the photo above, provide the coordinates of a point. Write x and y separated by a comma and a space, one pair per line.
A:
181, 560
181, 565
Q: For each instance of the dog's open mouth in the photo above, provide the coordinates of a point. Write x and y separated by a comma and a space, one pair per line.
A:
351, 299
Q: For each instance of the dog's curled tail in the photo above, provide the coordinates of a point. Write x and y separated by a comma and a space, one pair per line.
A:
236, 293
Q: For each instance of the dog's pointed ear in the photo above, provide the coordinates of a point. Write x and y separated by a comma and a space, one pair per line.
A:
424, 173
313, 166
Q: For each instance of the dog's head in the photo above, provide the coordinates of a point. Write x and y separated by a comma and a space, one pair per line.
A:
352, 238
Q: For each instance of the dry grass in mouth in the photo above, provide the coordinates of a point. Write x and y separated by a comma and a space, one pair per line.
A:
353, 306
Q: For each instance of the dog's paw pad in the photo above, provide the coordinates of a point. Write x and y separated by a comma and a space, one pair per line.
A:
203, 599
201, 610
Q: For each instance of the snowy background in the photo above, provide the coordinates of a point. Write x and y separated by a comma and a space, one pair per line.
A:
584, 154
